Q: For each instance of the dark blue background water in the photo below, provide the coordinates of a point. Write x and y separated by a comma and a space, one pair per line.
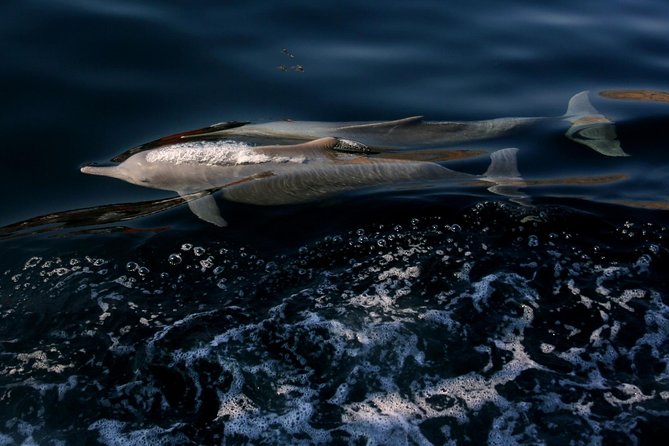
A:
399, 316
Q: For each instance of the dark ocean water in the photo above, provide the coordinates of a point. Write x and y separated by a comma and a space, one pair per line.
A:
420, 313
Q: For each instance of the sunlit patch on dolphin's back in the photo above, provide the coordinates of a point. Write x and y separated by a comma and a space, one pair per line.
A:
215, 153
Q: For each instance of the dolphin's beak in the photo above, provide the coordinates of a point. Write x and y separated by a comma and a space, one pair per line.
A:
105, 171
93, 169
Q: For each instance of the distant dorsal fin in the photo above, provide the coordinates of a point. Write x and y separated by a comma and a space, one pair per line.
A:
503, 164
580, 106
503, 173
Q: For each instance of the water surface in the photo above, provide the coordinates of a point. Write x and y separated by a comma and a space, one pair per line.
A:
398, 315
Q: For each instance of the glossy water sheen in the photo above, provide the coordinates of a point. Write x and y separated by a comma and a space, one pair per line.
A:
414, 313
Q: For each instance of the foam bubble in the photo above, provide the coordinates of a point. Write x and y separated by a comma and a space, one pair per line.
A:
409, 272
627, 296
114, 433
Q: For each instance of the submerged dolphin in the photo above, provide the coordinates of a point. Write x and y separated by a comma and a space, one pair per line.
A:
587, 127
285, 174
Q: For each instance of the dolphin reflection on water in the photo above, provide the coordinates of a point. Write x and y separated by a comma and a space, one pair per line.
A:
336, 157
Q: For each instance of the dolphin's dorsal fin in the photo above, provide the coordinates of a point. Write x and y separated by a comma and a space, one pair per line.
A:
580, 106
206, 209
503, 164
383, 125
503, 173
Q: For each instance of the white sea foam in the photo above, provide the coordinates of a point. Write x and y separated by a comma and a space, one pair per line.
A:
371, 340
61, 388
215, 153
114, 433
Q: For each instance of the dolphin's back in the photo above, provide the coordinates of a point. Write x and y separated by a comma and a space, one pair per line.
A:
406, 132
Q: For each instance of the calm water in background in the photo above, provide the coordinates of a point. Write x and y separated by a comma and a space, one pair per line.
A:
397, 316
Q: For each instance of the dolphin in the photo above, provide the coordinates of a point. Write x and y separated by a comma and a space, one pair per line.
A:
587, 127
286, 174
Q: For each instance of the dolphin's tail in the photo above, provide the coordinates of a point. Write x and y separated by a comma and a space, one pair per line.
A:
503, 173
591, 128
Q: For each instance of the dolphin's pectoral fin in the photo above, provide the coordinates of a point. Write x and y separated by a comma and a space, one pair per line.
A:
590, 128
503, 173
206, 209
205, 206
